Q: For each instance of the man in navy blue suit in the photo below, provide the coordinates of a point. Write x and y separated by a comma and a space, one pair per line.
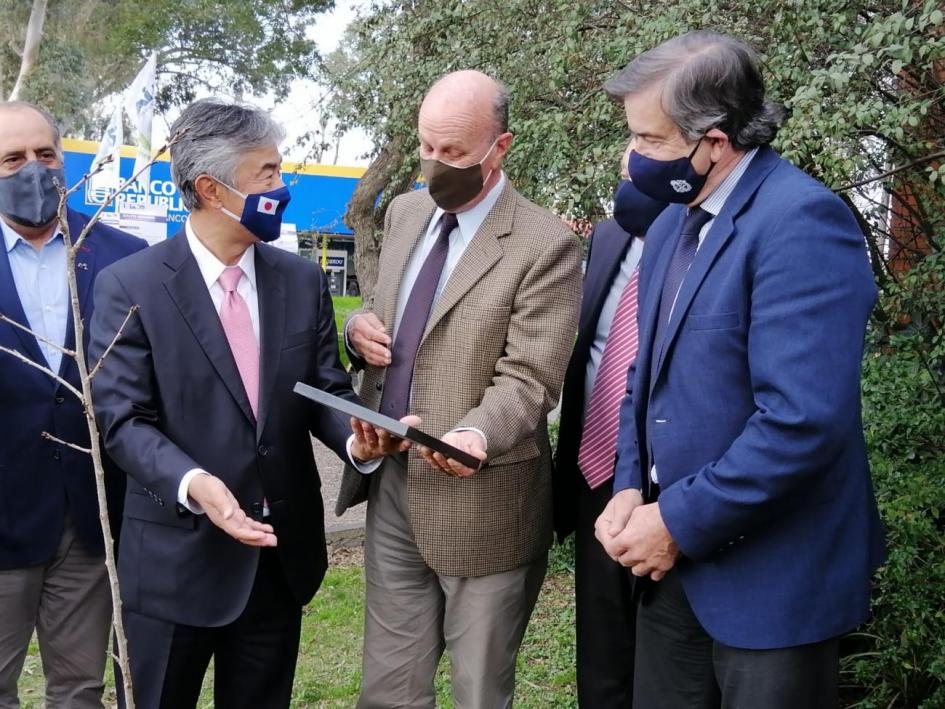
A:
584, 460
52, 566
741, 487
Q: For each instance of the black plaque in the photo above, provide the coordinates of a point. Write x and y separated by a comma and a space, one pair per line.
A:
393, 426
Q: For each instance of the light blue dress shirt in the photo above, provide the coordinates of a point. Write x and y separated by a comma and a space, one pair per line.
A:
40, 280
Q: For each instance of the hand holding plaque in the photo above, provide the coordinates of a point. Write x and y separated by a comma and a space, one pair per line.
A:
371, 442
469, 442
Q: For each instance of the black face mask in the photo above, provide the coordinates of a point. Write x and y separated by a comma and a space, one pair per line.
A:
635, 211
450, 186
29, 196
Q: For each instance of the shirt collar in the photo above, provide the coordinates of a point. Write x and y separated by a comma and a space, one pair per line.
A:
11, 238
714, 202
211, 267
470, 220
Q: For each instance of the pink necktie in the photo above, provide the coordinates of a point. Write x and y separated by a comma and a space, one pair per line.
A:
234, 315
598, 448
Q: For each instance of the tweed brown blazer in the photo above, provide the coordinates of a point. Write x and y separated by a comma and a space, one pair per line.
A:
493, 357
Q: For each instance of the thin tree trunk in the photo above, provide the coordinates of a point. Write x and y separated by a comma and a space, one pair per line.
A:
365, 219
95, 445
34, 34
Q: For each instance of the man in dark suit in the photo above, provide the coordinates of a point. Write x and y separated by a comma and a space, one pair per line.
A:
742, 487
52, 566
196, 405
584, 460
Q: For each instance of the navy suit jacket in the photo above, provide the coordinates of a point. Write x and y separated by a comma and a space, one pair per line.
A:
607, 248
753, 416
40, 481
171, 399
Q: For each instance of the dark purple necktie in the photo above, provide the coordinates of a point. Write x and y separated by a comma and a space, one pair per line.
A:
682, 259
413, 322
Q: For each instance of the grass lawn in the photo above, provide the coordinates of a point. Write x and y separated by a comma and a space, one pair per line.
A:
343, 306
329, 666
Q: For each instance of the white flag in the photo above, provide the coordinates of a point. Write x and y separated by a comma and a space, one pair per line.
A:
139, 102
267, 206
110, 176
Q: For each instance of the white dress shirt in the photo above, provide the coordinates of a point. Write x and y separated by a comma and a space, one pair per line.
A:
713, 205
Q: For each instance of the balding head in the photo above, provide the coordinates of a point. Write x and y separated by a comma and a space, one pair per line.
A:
23, 110
469, 93
464, 121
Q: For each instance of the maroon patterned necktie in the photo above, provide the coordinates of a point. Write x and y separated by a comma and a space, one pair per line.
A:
598, 449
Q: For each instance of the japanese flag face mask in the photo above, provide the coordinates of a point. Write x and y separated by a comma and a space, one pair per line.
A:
262, 211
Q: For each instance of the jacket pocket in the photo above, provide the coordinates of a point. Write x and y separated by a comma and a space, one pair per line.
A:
140, 506
526, 450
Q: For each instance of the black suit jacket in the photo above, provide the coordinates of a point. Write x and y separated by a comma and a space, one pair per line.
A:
170, 399
42, 481
607, 248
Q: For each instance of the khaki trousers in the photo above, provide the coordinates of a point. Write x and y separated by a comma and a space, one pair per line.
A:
412, 614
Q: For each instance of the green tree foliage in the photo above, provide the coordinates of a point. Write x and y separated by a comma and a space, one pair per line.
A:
863, 84
92, 48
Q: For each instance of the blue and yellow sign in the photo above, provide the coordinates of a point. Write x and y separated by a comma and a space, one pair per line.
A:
320, 193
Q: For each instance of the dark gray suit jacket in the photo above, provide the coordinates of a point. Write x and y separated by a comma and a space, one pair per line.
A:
170, 399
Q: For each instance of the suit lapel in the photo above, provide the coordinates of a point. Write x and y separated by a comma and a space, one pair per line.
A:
190, 294
270, 289
721, 231
417, 223
12, 307
650, 309
479, 257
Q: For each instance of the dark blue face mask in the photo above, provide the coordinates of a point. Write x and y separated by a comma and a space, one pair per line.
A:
262, 212
635, 211
668, 180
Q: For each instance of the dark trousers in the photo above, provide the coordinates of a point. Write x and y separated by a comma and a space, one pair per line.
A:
254, 656
680, 666
605, 612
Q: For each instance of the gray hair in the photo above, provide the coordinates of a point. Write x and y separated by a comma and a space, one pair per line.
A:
47, 116
211, 138
707, 80
501, 107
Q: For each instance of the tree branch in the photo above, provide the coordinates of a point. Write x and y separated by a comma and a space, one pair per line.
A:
34, 34
101, 360
49, 437
888, 173
45, 370
14, 323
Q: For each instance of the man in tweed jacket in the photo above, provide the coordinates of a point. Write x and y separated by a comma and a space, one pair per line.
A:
455, 558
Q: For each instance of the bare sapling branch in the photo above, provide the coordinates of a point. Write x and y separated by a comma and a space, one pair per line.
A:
115, 339
49, 437
66, 351
42, 368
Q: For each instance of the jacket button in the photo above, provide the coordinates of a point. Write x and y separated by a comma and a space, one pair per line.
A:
263, 451
378, 386
56, 455
60, 399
